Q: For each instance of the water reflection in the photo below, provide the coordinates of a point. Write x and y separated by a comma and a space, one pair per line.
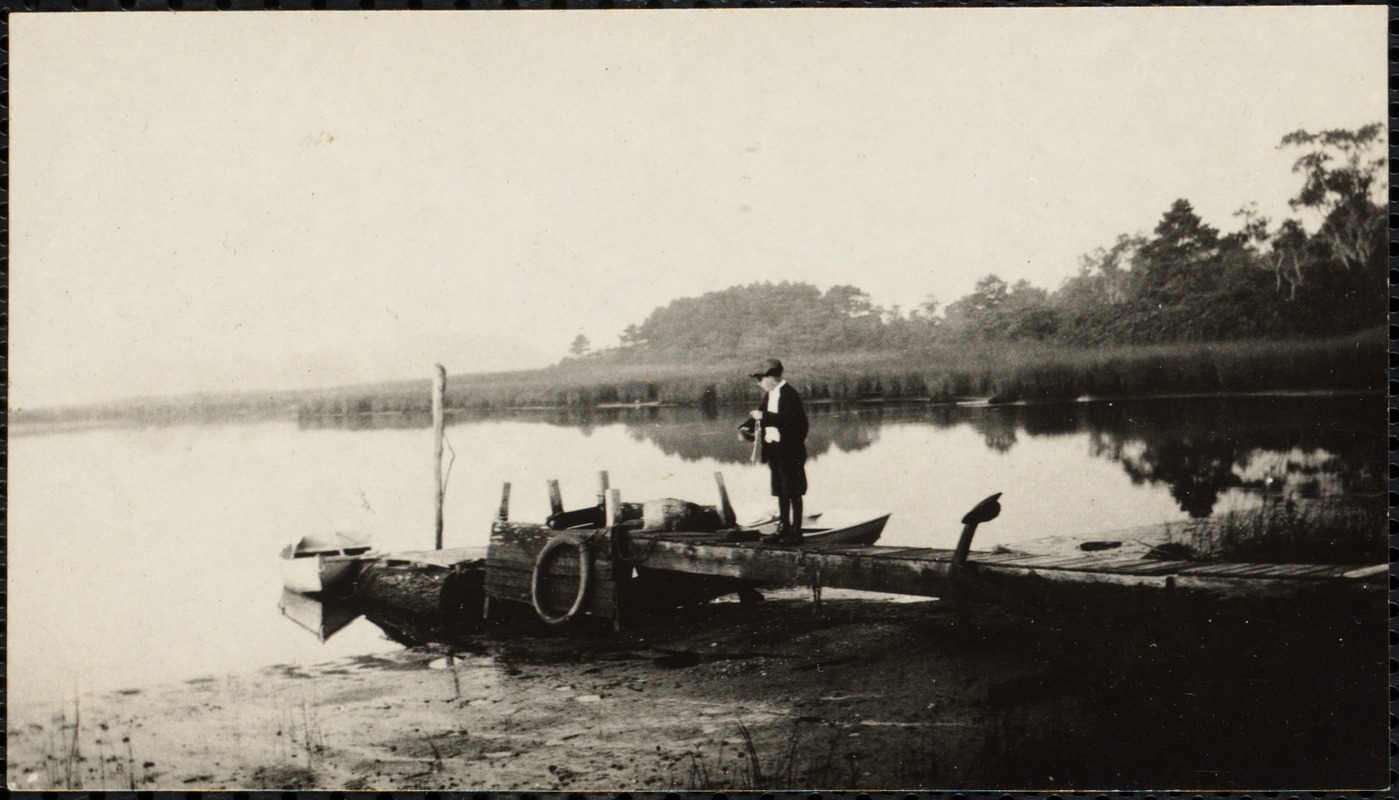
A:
322, 617
1308, 447
1197, 449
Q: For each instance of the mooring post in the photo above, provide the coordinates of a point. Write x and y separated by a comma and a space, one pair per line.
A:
439, 388
613, 506
602, 489
985, 511
504, 513
726, 509
555, 498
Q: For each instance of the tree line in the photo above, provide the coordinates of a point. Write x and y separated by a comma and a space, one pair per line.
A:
1184, 282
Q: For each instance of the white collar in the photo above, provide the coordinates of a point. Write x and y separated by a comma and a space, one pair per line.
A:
778, 387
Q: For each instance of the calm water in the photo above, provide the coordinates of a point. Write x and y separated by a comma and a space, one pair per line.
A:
141, 555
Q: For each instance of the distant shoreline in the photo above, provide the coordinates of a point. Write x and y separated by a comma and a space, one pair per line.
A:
972, 375
21, 426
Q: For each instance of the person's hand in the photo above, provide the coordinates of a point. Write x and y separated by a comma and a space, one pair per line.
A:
756, 414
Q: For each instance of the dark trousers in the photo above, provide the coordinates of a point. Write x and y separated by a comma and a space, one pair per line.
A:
788, 486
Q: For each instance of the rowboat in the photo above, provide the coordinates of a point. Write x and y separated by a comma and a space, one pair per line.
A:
837, 526
323, 562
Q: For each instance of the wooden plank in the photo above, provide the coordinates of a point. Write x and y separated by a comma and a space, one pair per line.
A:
996, 558
1031, 579
797, 566
525, 578
1047, 560
876, 551
525, 547
1359, 573
1299, 570
686, 537
1234, 586
847, 549
1080, 561
1259, 571
1147, 566
1273, 571
1240, 569
920, 553
1337, 572
1101, 564
450, 557
563, 565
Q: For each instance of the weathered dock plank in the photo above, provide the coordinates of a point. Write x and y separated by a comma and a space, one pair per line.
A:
930, 572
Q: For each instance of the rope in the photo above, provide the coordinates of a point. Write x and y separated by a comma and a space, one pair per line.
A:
585, 577
628, 556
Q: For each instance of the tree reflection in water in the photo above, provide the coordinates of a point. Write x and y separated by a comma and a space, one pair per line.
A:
692, 436
1198, 448
1307, 447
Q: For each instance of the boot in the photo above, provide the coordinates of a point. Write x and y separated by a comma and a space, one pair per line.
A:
791, 535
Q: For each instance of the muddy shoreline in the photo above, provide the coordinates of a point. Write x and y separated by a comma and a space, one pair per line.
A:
858, 694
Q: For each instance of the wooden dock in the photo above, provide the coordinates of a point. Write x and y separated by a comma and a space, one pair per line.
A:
1077, 579
630, 570
599, 562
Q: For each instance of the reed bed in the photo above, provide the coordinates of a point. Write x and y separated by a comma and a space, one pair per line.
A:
1339, 530
996, 372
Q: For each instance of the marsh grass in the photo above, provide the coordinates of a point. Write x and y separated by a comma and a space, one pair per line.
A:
108, 763
62, 751
811, 753
1340, 530
996, 371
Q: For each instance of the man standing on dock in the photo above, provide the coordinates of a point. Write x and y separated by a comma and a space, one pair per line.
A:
778, 428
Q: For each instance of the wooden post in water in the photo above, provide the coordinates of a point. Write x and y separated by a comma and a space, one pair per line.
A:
439, 388
726, 509
504, 514
555, 498
602, 489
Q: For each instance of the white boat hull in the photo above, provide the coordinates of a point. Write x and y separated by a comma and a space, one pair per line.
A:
313, 574
837, 526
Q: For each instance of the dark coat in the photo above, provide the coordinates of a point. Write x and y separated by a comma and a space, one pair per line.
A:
790, 419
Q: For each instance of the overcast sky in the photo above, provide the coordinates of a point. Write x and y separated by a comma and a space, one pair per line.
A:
206, 202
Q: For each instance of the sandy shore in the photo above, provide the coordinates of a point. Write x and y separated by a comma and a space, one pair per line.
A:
858, 694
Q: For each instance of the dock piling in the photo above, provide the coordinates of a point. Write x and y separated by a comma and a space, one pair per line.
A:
613, 505
555, 498
504, 514
602, 489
